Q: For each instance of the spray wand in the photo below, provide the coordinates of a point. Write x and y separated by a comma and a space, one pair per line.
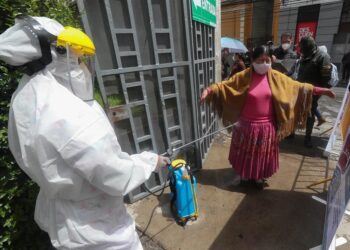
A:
171, 151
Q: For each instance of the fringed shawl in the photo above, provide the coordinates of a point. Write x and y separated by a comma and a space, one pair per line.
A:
291, 100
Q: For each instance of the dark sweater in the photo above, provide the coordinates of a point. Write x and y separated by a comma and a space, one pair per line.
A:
315, 69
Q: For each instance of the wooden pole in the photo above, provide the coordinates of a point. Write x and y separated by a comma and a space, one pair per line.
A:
320, 182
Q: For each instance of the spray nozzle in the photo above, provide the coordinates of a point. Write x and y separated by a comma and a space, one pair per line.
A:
170, 151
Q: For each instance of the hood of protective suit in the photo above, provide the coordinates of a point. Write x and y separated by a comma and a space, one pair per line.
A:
17, 47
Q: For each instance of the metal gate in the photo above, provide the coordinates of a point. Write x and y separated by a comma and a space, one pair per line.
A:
152, 63
204, 75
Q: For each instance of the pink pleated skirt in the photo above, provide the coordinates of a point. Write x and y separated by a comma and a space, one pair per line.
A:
254, 149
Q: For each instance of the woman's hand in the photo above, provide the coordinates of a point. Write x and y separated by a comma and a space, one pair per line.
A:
205, 94
330, 93
324, 91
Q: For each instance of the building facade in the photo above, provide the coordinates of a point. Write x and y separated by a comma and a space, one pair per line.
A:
255, 22
252, 22
322, 19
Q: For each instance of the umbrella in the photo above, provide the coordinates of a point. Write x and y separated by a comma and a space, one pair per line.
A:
234, 45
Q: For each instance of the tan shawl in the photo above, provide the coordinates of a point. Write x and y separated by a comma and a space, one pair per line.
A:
291, 100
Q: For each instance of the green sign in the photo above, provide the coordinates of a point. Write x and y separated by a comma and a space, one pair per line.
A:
204, 11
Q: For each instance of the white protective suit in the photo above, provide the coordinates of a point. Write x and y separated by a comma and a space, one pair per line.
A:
68, 147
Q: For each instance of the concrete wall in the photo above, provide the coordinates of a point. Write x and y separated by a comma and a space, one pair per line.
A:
328, 23
287, 21
340, 48
262, 22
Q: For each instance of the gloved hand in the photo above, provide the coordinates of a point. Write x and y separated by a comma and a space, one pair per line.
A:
162, 162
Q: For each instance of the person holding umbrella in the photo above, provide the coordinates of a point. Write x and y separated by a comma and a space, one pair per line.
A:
265, 106
234, 46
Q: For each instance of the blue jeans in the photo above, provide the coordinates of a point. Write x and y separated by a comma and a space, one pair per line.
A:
318, 114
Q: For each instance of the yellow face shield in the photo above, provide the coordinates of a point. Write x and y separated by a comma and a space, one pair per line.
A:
79, 50
77, 41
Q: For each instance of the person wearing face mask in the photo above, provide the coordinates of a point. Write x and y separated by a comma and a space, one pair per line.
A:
283, 57
265, 106
285, 50
315, 68
62, 139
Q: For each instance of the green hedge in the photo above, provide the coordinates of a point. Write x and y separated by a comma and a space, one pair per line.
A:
17, 192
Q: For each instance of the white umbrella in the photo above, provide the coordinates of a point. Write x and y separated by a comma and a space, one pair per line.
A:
234, 45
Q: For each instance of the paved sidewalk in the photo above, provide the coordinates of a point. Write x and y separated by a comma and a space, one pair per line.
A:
283, 216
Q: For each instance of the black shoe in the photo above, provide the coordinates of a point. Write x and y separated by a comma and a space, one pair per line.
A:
308, 143
260, 184
244, 183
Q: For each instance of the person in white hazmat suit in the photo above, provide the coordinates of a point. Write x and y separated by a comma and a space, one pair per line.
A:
62, 139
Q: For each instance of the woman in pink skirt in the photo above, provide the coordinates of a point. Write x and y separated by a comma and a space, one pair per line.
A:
265, 106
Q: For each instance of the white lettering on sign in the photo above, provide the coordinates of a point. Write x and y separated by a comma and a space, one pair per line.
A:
305, 31
197, 3
208, 6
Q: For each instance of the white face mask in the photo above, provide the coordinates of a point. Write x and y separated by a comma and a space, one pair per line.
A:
74, 76
285, 46
261, 68
81, 82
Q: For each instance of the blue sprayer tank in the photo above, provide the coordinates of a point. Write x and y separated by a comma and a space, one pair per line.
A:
183, 188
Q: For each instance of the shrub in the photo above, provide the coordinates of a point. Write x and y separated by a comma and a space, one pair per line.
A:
17, 192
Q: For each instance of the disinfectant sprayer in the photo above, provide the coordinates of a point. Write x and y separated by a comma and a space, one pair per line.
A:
183, 186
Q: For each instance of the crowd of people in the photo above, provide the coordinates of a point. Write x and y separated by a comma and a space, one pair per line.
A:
310, 64
271, 98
